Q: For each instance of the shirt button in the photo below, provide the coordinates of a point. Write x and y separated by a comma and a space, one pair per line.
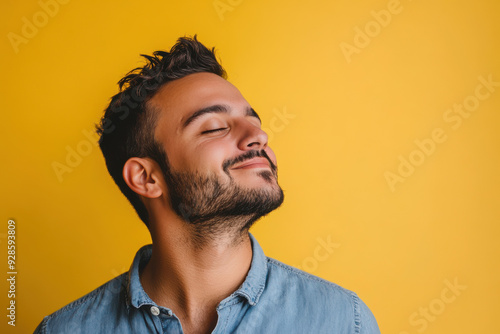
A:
169, 313
155, 310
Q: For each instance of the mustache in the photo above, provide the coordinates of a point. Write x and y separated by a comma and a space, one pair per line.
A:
246, 156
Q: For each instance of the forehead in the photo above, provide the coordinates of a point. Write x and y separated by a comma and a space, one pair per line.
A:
178, 99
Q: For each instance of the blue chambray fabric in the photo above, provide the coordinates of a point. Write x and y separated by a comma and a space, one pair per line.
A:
274, 298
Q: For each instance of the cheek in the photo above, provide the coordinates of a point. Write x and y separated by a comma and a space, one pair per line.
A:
210, 157
204, 159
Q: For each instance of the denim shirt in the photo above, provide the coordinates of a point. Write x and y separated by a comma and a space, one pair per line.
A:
274, 298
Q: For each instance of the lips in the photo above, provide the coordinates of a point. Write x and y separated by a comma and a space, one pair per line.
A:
256, 162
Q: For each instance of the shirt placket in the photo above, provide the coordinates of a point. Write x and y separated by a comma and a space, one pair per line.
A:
164, 319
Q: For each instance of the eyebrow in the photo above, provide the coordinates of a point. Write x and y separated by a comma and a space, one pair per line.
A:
216, 108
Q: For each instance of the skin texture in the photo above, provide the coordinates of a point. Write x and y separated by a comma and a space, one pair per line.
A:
199, 273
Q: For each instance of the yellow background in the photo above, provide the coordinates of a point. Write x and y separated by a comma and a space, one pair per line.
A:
351, 121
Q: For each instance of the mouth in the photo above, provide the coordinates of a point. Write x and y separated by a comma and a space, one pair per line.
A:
257, 162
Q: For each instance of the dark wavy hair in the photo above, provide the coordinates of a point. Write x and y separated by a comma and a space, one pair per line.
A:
127, 128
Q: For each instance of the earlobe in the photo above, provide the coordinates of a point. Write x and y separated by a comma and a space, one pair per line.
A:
139, 174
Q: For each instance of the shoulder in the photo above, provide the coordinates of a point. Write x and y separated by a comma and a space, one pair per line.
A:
87, 309
280, 271
320, 296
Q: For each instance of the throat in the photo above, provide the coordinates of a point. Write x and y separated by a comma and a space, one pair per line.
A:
218, 231
192, 281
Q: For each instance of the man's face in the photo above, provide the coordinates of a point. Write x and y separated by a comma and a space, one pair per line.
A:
219, 161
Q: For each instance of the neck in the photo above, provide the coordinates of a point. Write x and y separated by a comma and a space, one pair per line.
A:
192, 278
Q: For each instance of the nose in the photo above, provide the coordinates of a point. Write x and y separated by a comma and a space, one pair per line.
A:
252, 137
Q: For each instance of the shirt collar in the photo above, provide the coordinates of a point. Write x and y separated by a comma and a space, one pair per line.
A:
136, 296
251, 289
255, 282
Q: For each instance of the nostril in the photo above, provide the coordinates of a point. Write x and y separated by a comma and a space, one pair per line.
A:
254, 143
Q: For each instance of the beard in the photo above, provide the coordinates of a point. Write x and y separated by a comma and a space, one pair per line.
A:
214, 207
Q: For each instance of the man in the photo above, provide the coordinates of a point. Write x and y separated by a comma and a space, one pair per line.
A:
188, 152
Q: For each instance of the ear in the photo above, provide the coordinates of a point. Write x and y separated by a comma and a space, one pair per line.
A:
141, 175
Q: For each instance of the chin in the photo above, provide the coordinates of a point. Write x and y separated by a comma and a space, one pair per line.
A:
258, 178
268, 176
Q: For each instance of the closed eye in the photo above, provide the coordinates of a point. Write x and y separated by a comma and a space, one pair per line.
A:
214, 130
